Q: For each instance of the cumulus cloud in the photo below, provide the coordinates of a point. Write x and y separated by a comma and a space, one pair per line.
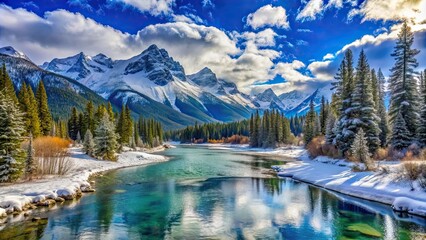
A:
154, 7
311, 10
188, 18
268, 16
385, 10
61, 33
264, 38
328, 56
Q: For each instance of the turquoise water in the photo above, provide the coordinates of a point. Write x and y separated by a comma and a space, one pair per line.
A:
206, 193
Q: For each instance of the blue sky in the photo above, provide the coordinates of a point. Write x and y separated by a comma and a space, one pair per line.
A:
286, 45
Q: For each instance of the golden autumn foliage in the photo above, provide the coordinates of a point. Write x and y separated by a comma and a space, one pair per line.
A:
51, 154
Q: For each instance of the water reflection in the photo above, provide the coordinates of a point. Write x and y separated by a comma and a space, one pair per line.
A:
164, 202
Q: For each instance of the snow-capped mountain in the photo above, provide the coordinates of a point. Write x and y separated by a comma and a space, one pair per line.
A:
63, 92
152, 84
154, 76
292, 99
10, 51
268, 100
303, 107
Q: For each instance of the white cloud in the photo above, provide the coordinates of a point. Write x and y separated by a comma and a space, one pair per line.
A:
187, 18
311, 10
268, 16
385, 10
207, 3
154, 7
290, 71
328, 56
61, 33
264, 38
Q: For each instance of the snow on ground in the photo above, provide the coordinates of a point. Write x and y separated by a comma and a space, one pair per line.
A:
17, 197
388, 187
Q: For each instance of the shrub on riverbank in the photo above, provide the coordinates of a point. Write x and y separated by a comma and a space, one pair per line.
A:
51, 156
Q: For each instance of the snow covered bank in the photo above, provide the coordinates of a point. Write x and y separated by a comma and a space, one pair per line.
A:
49, 190
388, 187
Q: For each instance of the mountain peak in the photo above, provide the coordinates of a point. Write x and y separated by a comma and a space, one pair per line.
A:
10, 51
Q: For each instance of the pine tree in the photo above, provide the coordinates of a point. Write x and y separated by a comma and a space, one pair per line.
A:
381, 110
362, 109
7, 84
11, 130
337, 86
88, 144
43, 110
422, 123
323, 116
28, 106
360, 151
330, 133
105, 139
400, 134
73, 127
309, 127
344, 136
110, 112
403, 85
30, 165
375, 88
88, 118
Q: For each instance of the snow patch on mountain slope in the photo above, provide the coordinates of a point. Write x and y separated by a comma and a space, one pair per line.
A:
10, 51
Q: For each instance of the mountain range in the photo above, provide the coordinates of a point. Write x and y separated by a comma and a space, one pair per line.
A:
153, 84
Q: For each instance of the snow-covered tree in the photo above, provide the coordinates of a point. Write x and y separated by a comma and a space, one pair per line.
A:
88, 143
30, 165
362, 108
11, 129
402, 82
330, 133
360, 113
400, 135
422, 123
106, 139
360, 151
344, 136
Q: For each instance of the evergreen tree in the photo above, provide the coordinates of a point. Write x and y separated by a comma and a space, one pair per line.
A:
381, 110
362, 110
7, 84
88, 144
344, 136
422, 123
105, 139
88, 119
30, 165
28, 106
32, 111
400, 134
110, 112
323, 116
309, 127
330, 133
360, 150
43, 110
11, 130
375, 88
403, 85
337, 86
73, 127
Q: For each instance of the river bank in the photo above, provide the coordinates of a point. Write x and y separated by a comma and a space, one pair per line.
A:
21, 198
388, 185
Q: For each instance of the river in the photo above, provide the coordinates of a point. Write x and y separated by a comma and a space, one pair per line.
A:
204, 193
